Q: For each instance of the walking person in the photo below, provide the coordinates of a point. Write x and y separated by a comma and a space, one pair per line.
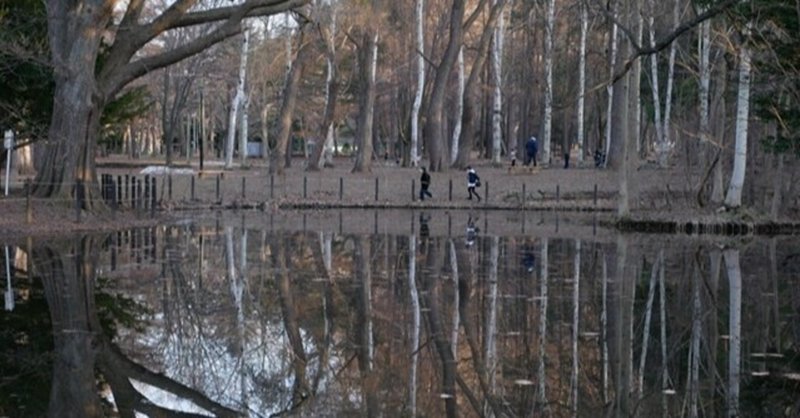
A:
473, 181
531, 149
424, 182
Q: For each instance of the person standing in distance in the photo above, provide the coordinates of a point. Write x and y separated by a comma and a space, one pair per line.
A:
531, 149
473, 181
424, 182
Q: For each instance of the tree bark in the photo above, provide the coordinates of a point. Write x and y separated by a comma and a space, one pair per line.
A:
733, 198
432, 130
549, 27
420, 61
368, 64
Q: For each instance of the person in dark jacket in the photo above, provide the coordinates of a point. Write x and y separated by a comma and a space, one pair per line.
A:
425, 182
531, 149
473, 181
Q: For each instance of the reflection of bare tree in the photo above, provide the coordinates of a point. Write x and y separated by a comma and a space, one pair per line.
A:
576, 291
282, 260
491, 316
541, 395
430, 300
731, 257
68, 273
364, 336
693, 376
416, 314
647, 316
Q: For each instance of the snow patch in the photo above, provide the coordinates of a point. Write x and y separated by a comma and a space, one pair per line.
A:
160, 170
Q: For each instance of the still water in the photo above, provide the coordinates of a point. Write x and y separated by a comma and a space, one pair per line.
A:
359, 313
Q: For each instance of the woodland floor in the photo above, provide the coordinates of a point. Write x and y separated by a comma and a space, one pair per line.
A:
664, 195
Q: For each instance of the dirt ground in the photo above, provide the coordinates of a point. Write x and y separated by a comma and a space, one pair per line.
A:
661, 193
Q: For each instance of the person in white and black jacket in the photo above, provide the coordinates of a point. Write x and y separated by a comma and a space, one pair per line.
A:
473, 181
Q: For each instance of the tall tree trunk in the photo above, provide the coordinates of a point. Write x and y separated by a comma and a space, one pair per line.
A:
491, 315
282, 155
581, 118
733, 198
471, 93
549, 27
459, 116
323, 152
236, 106
576, 314
364, 330
497, 98
664, 148
366, 111
419, 40
611, 94
541, 374
432, 130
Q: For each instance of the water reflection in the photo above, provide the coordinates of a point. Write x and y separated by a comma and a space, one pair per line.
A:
243, 320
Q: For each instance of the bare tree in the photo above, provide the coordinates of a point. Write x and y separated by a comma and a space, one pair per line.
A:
77, 32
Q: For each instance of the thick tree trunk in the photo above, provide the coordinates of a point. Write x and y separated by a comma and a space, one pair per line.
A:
323, 152
369, 64
549, 27
459, 116
433, 125
733, 198
282, 154
581, 118
497, 97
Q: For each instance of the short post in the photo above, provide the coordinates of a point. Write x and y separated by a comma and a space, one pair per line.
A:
305, 187
169, 187
558, 192
118, 195
413, 191
133, 192
450, 191
146, 191
114, 191
341, 188
244, 188
376, 189
139, 194
192, 188
153, 197
524, 194
217, 188
595, 194
126, 189
103, 188
271, 186
78, 200
28, 207
487, 192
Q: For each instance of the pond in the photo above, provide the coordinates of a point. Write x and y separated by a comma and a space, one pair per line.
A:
400, 313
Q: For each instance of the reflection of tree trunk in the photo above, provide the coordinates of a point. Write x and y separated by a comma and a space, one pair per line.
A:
694, 346
364, 338
412, 286
647, 315
712, 335
491, 317
620, 321
69, 283
663, 314
604, 326
541, 375
576, 309
281, 260
327, 307
456, 325
430, 298
734, 329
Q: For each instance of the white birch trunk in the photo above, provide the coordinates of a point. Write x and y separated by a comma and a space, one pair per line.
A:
541, 375
497, 102
576, 309
548, 80
459, 107
236, 105
734, 330
654, 84
416, 325
635, 88
610, 87
704, 51
420, 45
243, 128
328, 147
582, 83
666, 146
733, 198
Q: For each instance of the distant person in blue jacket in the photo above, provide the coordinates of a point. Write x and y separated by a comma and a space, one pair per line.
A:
473, 181
531, 149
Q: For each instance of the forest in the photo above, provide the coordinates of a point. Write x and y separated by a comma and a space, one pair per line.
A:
708, 86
